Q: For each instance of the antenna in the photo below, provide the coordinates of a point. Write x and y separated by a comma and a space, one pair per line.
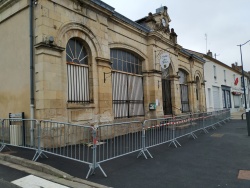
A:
206, 41
215, 55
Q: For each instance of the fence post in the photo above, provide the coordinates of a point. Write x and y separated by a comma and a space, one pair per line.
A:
39, 152
3, 145
203, 123
31, 133
174, 140
191, 125
144, 149
94, 164
2, 135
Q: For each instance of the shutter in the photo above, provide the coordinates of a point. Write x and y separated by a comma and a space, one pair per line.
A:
216, 98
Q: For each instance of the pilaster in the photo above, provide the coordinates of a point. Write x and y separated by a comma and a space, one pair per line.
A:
105, 89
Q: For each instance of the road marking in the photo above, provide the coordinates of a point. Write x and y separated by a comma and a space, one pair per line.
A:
217, 135
36, 182
244, 174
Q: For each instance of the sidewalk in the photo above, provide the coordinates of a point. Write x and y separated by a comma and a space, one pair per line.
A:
217, 159
238, 115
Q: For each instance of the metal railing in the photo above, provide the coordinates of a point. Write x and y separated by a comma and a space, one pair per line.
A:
19, 132
95, 145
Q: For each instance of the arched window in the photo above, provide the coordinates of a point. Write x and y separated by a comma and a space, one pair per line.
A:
127, 85
76, 52
126, 61
78, 71
183, 91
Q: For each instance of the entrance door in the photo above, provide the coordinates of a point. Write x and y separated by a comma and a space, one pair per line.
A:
166, 95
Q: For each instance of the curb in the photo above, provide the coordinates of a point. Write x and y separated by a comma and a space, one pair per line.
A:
46, 169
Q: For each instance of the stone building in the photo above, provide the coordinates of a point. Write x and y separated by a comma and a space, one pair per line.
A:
81, 61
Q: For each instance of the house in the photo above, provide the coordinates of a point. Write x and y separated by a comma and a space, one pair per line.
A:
222, 84
81, 61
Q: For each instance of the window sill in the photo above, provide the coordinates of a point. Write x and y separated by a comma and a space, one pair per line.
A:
80, 105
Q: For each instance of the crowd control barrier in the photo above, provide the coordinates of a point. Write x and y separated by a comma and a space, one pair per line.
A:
93, 145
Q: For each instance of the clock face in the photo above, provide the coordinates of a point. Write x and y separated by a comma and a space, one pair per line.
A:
163, 21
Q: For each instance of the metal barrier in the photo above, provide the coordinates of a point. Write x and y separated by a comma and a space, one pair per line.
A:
156, 132
95, 145
20, 133
72, 141
117, 139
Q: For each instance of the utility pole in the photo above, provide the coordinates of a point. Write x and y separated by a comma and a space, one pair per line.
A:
206, 41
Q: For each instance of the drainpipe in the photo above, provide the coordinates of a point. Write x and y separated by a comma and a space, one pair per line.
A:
31, 73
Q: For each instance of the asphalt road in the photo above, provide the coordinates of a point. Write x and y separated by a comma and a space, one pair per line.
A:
8, 174
212, 160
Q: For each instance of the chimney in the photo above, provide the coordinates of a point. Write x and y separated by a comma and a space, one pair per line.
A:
210, 54
173, 36
162, 9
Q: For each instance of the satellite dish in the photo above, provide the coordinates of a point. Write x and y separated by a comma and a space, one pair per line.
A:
164, 60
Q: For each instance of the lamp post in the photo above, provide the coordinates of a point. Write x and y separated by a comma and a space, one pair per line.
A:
243, 73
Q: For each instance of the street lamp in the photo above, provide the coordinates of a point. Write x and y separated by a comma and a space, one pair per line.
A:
243, 73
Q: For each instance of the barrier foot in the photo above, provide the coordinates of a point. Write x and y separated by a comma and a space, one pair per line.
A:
205, 131
39, 154
220, 124
213, 127
143, 152
92, 170
193, 135
174, 141
4, 146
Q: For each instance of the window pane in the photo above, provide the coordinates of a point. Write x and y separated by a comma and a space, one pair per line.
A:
133, 68
114, 65
129, 67
119, 54
124, 56
119, 65
114, 53
129, 57
132, 59
140, 69
124, 66
136, 69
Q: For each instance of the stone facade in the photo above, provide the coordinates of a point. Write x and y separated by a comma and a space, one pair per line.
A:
101, 29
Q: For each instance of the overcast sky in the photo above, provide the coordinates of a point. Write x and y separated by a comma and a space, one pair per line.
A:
226, 23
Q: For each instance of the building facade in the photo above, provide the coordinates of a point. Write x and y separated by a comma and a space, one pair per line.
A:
223, 85
91, 64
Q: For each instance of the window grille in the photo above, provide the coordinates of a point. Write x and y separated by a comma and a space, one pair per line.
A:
127, 83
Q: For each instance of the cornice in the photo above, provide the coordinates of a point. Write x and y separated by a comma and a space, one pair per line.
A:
48, 46
5, 4
104, 62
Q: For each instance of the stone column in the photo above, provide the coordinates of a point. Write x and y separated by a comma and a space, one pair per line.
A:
192, 96
105, 90
49, 83
175, 95
203, 94
152, 93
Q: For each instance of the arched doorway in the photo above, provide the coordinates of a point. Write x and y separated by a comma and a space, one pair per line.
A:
166, 91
